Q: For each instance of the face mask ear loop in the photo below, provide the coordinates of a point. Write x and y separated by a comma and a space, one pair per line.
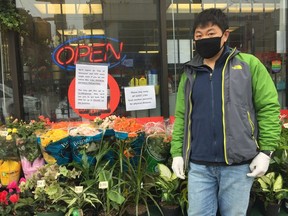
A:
225, 41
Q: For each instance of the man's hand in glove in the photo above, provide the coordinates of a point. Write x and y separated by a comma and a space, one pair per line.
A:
259, 165
178, 167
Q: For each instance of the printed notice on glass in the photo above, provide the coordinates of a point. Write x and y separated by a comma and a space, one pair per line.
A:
91, 86
140, 98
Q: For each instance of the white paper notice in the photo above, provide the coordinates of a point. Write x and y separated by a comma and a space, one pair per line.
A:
140, 98
91, 86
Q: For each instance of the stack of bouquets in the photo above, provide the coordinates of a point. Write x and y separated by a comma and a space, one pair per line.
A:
131, 136
10, 166
54, 144
85, 138
158, 138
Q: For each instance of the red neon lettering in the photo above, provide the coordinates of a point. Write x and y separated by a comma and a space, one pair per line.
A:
59, 52
96, 52
117, 56
78, 53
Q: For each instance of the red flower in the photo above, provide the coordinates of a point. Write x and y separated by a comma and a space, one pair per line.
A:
3, 197
41, 117
14, 198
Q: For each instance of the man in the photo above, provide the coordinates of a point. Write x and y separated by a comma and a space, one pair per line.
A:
226, 125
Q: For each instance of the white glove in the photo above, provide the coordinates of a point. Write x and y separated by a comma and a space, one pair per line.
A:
259, 165
178, 167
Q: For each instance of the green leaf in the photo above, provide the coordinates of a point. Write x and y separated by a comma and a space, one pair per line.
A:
71, 202
278, 184
115, 197
164, 171
262, 183
271, 175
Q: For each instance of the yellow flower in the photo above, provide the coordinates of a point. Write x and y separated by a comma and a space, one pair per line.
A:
8, 137
14, 130
9, 130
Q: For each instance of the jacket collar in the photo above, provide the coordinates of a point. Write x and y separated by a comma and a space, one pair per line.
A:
197, 61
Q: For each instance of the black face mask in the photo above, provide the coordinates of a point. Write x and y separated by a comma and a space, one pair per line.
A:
208, 47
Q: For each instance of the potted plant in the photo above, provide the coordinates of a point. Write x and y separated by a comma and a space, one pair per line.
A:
112, 198
26, 142
272, 192
93, 176
10, 19
10, 166
279, 161
157, 144
136, 185
45, 186
9, 196
77, 198
168, 185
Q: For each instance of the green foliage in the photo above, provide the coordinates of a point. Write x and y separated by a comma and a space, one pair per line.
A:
26, 136
45, 195
78, 199
135, 180
279, 161
10, 19
101, 171
271, 188
8, 150
168, 183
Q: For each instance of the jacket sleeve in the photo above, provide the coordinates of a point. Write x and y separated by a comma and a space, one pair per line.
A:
266, 106
178, 129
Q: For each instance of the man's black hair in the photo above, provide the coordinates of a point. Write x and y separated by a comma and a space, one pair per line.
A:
214, 16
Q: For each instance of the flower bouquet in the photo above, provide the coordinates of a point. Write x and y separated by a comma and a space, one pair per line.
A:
130, 137
84, 138
158, 138
54, 144
105, 124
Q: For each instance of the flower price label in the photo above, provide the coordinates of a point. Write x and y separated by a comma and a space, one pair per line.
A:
78, 189
41, 183
103, 185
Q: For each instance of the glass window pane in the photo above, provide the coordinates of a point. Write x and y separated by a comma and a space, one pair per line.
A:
256, 27
62, 33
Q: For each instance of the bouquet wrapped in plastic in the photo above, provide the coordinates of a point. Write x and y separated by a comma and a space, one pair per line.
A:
54, 144
130, 136
84, 138
158, 138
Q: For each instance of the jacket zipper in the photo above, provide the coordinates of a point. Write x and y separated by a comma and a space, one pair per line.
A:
223, 108
252, 129
212, 106
189, 125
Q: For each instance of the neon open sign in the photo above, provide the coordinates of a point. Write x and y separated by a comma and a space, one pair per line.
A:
99, 49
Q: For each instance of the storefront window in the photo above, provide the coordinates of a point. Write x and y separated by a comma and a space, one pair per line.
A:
6, 92
256, 27
121, 34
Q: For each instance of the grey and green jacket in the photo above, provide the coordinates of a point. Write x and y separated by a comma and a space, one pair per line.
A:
249, 109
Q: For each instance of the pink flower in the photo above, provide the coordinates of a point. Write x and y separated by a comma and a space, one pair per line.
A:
22, 180
13, 185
